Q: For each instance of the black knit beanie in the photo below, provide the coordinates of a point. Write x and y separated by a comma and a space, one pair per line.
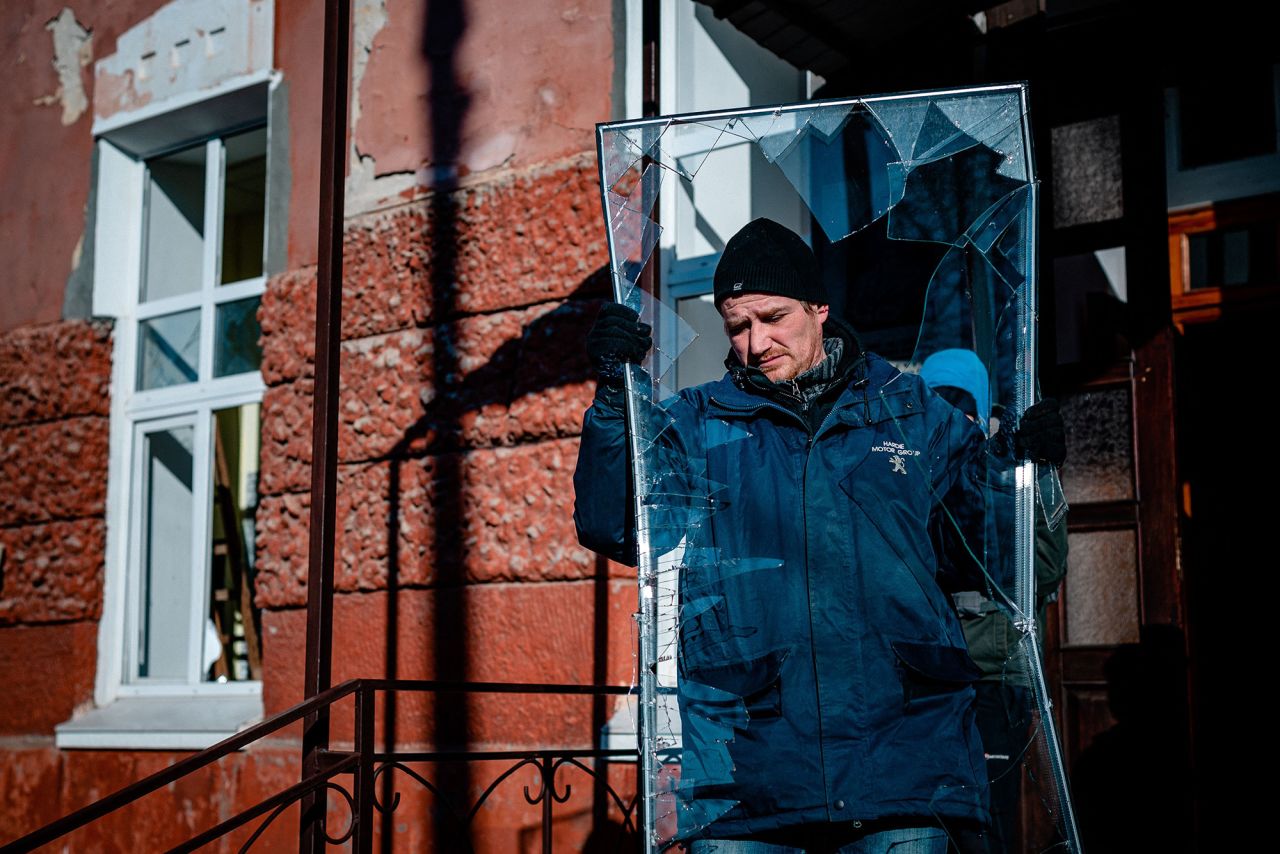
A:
767, 258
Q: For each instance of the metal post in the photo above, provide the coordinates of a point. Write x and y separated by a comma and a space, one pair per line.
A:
365, 749
647, 720
546, 767
1027, 507
324, 443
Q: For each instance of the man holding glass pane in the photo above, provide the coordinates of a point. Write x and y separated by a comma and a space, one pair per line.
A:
825, 692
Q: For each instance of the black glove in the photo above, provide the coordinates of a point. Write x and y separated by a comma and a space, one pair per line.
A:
1042, 436
618, 336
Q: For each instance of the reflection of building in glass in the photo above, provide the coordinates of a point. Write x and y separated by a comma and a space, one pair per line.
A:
160, 184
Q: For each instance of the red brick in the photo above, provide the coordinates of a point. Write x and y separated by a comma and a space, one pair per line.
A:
47, 672
55, 370
506, 515
490, 632
52, 572
53, 470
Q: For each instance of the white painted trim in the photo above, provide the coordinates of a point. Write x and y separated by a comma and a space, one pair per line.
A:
118, 272
220, 393
117, 231
218, 295
201, 537
633, 76
115, 122
198, 689
114, 585
150, 739
161, 723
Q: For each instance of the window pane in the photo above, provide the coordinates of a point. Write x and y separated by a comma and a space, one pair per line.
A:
1099, 463
244, 206
169, 350
175, 224
236, 348
1087, 178
232, 651
1102, 588
1234, 256
164, 610
704, 359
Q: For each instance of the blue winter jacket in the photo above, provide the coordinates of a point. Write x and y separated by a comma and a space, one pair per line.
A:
823, 675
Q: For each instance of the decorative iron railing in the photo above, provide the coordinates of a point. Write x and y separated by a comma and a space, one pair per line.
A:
355, 775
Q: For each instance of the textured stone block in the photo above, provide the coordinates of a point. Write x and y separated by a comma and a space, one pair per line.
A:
519, 240
55, 370
502, 514
509, 377
53, 470
285, 461
52, 572
577, 632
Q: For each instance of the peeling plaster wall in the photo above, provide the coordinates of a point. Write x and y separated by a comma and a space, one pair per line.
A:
533, 79
47, 48
187, 45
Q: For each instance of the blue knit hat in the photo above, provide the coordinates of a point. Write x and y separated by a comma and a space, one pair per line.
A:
961, 369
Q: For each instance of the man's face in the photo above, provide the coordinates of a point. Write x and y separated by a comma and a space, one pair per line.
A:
778, 335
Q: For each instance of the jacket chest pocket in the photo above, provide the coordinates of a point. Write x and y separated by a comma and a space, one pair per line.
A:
889, 477
890, 495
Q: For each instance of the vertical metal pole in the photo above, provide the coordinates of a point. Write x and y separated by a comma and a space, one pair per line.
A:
546, 766
647, 723
324, 439
1024, 587
365, 748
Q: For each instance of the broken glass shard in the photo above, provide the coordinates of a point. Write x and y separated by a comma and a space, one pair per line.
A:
840, 177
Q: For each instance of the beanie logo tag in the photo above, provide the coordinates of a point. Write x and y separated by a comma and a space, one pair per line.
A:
737, 286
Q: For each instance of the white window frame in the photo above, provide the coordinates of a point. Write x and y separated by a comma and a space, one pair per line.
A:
193, 403
144, 713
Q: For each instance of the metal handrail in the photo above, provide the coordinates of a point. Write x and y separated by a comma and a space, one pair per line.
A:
344, 762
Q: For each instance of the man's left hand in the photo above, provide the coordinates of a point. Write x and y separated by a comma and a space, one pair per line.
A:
1042, 436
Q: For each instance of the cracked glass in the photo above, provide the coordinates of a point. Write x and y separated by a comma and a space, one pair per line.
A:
843, 572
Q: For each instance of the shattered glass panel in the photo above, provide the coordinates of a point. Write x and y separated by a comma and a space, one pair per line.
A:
842, 571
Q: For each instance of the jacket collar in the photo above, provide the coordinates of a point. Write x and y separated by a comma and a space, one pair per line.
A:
745, 388
752, 381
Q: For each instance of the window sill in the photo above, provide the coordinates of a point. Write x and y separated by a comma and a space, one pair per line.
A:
160, 723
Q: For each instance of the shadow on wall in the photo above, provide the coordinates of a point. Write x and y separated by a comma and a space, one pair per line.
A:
547, 354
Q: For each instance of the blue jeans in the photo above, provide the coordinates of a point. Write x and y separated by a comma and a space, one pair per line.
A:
900, 840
